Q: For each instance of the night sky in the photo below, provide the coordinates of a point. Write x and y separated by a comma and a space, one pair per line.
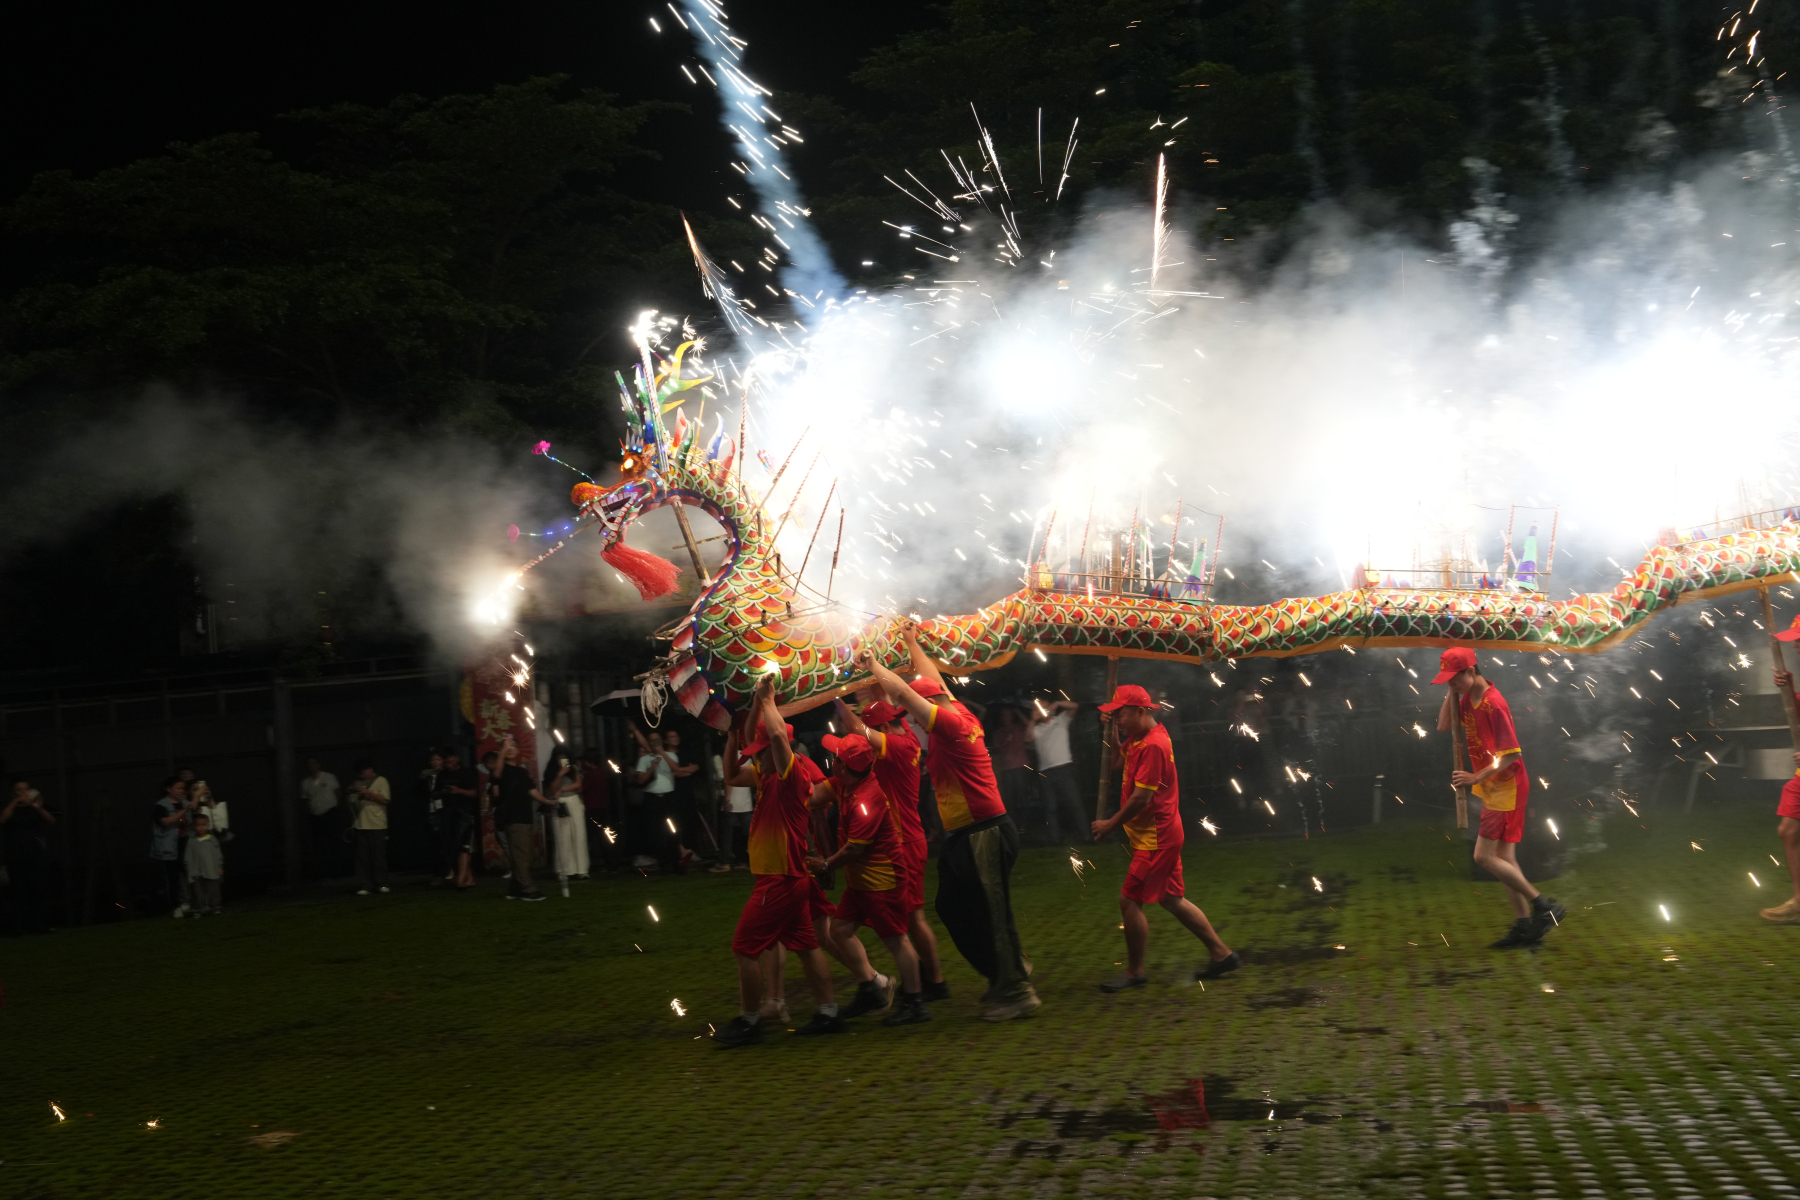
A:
89, 85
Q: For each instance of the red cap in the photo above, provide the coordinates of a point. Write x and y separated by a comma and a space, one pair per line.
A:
881, 713
853, 750
928, 687
1129, 695
762, 741
1792, 633
1454, 662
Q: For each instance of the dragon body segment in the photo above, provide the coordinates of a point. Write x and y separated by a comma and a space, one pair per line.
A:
751, 619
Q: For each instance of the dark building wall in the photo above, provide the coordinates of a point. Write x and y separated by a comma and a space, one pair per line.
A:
99, 753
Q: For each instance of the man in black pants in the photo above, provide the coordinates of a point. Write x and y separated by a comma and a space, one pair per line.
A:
519, 798
25, 825
974, 899
684, 805
1049, 738
167, 817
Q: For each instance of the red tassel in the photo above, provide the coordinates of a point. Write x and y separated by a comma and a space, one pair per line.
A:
652, 576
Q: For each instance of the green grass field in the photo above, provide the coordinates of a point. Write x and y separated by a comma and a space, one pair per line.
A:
445, 1045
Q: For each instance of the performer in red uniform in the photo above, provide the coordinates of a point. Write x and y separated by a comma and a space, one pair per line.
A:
1497, 775
974, 898
1150, 812
781, 906
897, 760
869, 851
1787, 811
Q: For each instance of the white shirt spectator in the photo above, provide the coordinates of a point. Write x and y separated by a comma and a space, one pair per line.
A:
320, 792
661, 783
1052, 740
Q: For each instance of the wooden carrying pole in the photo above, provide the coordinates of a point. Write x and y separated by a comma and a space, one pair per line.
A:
1112, 685
1787, 694
1459, 759
1108, 739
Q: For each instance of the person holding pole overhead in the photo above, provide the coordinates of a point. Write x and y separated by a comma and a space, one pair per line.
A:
1787, 811
1497, 775
974, 898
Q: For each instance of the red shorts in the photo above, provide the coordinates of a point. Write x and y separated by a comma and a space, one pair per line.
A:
880, 911
1154, 875
781, 909
1503, 826
912, 862
1790, 799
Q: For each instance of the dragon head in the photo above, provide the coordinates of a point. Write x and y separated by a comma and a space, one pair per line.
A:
614, 508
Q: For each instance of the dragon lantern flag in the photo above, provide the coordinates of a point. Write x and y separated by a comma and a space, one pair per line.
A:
753, 616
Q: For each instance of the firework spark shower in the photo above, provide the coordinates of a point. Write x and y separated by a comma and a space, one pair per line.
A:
1347, 396
1358, 402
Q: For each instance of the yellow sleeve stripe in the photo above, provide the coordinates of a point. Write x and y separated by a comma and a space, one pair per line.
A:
931, 720
1151, 786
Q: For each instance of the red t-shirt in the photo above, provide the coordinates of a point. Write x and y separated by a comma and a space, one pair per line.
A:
778, 825
1488, 728
864, 820
897, 767
1150, 766
961, 772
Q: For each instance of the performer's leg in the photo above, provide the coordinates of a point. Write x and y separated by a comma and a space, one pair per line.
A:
962, 904
906, 961
818, 975
1788, 830
1137, 934
994, 850
750, 984
924, 944
839, 937
1189, 914
1500, 859
774, 971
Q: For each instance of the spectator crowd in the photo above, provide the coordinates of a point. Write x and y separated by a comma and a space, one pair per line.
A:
667, 810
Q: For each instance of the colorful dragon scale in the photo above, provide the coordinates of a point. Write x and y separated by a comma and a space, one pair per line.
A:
750, 620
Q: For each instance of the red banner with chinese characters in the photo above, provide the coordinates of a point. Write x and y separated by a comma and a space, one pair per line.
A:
500, 694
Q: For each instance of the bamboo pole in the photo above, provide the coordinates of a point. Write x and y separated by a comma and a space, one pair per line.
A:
1458, 760
1787, 694
693, 548
1107, 743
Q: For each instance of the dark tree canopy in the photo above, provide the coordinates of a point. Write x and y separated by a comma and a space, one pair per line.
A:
454, 259
467, 263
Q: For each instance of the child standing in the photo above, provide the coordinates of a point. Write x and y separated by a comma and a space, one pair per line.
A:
205, 868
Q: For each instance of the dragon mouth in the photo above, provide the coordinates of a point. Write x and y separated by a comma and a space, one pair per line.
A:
615, 510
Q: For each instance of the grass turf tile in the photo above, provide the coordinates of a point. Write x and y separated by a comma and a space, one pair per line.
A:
443, 1044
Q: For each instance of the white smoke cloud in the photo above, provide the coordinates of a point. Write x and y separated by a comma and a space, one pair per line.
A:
1366, 399
290, 528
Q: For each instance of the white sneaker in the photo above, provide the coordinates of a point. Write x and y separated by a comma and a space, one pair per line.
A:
180, 911
384, 891
362, 891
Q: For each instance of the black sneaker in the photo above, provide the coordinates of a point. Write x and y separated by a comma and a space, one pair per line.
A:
910, 1011
1221, 968
819, 1024
1521, 934
871, 997
936, 991
1546, 914
528, 897
1120, 983
739, 1032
